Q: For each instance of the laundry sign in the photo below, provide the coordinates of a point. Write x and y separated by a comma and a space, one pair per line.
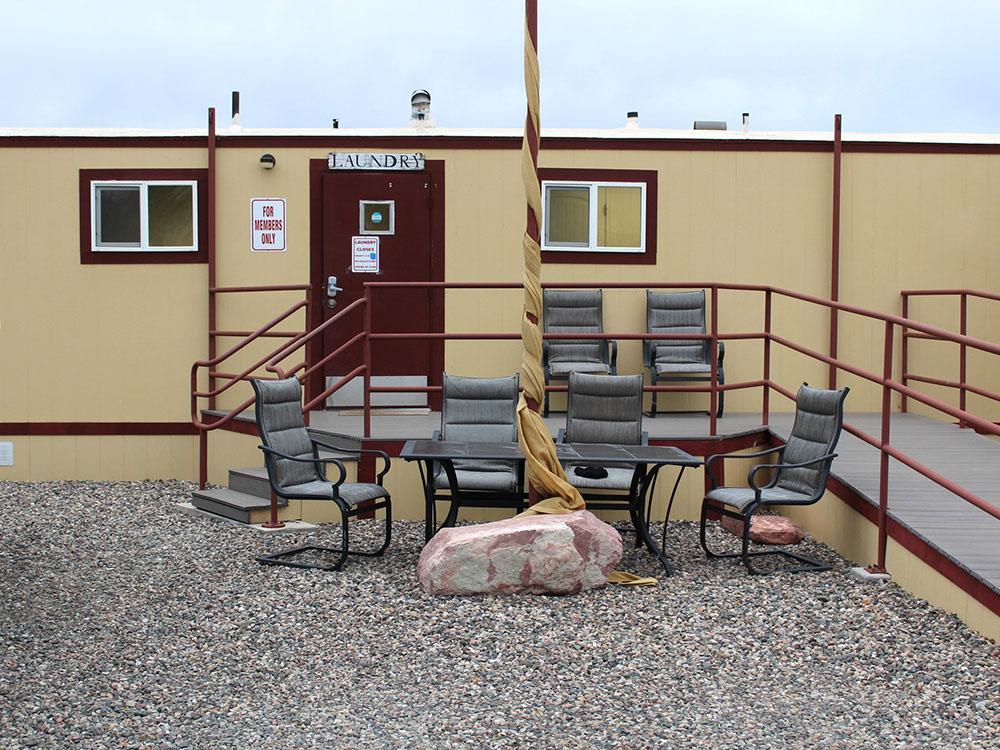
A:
267, 225
364, 255
370, 161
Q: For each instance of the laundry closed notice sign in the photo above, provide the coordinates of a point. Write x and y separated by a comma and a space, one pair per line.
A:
364, 255
267, 225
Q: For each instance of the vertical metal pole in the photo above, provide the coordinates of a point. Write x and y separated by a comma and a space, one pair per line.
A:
963, 327
883, 469
905, 351
307, 358
368, 363
273, 523
714, 400
210, 233
533, 139
835, 251
765, 409
202, 458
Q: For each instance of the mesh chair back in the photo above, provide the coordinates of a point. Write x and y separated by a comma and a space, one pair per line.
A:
819, 417
283, 428
604, 409
573, 311
479, 409
675, 312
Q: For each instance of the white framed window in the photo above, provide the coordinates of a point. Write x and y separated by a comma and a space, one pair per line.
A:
599, 216
144, 216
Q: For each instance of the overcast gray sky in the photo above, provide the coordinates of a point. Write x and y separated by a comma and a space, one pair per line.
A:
888, 66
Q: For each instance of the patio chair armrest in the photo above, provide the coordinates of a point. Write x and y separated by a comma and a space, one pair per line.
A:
436, 435
313, 460
358, 452
722, 352
561, 435
612, 348
718, 456
545, 353
801, 465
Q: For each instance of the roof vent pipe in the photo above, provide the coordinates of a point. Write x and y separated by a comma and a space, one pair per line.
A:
336, 123
632, 120
420, 109
746, 123
236, 109
710, 125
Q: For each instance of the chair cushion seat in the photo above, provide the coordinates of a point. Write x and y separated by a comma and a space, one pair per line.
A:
565, 368
503, 480
351, 492
618, 478
741, 497
666, 366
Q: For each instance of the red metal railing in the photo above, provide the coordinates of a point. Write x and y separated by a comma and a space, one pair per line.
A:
962, 384
884, 380
271, 362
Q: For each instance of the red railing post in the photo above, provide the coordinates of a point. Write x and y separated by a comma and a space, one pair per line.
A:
202, 459
962, 353
765, 409
835, 250
273, 522
368, 363
883, 469
210, 250
905, 351
714, 380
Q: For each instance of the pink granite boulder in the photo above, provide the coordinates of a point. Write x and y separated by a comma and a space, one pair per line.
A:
768, 529
540, 554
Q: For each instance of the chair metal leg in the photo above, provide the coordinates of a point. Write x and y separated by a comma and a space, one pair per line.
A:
284, 557
808, 564
722, 395
652, 400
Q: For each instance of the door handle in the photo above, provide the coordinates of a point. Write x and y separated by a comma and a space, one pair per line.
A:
331, 291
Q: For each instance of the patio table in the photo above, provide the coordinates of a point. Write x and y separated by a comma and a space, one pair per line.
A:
650, 459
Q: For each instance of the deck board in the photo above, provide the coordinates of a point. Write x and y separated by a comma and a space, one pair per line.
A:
964, 533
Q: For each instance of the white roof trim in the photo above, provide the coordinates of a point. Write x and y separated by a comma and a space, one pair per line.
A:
595, 133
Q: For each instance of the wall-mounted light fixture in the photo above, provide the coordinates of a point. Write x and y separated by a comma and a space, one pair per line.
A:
267, 161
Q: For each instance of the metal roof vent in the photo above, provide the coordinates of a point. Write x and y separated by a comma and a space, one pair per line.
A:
632, 120
236, 110
710, 125
420, 109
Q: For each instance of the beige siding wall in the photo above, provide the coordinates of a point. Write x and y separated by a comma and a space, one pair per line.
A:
115, 343
917, 221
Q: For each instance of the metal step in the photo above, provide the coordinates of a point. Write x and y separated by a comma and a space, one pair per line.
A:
250, 481
228, 503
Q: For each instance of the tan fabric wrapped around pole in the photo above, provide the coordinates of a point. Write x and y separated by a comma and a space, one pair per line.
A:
545, 473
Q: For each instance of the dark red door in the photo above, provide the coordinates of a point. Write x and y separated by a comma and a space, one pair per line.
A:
396, 208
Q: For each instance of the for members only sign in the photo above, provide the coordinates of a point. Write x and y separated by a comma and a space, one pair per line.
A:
267, 225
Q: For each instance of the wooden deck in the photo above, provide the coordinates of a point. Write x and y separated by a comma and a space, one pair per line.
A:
962, 532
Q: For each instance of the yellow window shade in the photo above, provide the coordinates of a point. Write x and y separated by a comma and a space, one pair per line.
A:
567, 220
619, 217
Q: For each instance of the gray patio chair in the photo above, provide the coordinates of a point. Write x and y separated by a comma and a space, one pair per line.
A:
798, 479
574, 311
606, 409
295, 470
475, 410
683, 360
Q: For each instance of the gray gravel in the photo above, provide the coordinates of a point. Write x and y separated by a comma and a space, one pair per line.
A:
126, 624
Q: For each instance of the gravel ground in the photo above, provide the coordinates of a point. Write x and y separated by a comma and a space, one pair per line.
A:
126, 624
